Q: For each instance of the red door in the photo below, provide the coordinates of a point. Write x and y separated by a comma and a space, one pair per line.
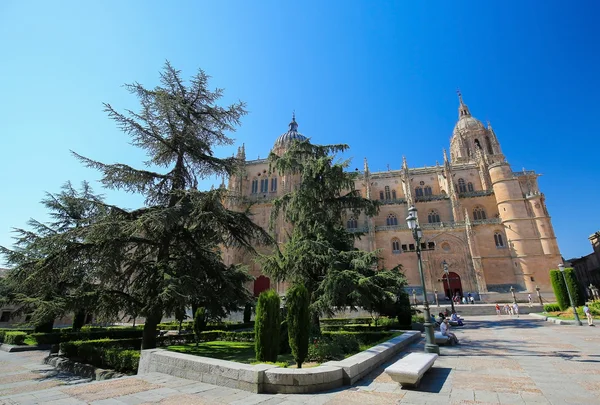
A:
261, 284
452, 284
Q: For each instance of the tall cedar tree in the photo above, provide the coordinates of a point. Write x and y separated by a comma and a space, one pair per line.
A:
43, 281
167, 254
320, 252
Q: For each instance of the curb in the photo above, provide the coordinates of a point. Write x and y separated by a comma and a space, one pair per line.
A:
81, 369
554, 320
21, 348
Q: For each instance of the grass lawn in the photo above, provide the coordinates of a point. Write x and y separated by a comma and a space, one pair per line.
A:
242, 352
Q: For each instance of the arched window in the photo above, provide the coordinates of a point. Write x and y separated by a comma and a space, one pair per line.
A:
388, 196
352, 223
254, 186
498, 240
477, 144
396, 246
391, 220
470, 186
273, 184
264, 185
427, 190
462, 187
381, 195
418, 192
393, 194
479, 214
488, 143
433, 217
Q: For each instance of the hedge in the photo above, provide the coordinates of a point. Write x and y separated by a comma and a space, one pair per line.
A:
189, 326
364, 338
346, 321
121, 355
14, 338
551, 308
59, 337
354, 328
560, 289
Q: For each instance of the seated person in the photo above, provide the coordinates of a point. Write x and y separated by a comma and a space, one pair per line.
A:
434, 321
444, 328
441, 318
455, 319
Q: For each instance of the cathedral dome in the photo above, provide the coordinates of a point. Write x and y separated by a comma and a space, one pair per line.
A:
290, 136
468, 123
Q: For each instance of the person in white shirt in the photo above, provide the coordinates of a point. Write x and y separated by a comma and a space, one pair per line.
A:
529, 299
588, 314
444, 328
515, 309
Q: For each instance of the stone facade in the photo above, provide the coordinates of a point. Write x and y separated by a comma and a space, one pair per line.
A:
488, 223
587, 267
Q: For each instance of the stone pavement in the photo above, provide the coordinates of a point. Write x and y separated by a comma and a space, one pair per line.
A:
501, 360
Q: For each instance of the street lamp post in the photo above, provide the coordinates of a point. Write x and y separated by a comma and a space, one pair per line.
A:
430, 346
437, 302
447, 272
537, 289
512, 291
561, 267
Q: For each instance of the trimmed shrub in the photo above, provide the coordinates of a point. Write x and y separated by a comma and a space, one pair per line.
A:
120, 355
551, 308
14, 338
59, 337
322, 349
346, 321
247, 312
364, 338
298, 321
404, 314
560, 289
357, 328
266, 326
595, 308
284, 343
199, 322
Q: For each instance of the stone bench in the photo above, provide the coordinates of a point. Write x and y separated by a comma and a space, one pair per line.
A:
409, 370
440, 339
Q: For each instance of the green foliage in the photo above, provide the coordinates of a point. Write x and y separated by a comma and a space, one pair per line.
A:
67, 336
120, 355
247, 312
560, 289
364, 338
320, 252
551, 308
322, 349
189, 326
298, 321
199, 322
594, 308
284, 341
14, 338
267, 326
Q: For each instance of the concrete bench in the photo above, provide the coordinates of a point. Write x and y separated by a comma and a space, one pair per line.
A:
441, 339
409, 370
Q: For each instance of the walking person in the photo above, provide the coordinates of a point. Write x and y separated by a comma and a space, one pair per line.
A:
515, 309
498, 310
529, 299
588, 314
472, 299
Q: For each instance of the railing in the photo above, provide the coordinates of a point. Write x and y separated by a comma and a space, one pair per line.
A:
260, 198
391, 227
437, 197
524, 173
478, 193
443, 225
358, 230
393, 201
487, 221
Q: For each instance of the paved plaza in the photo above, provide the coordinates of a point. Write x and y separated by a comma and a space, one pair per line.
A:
501, 360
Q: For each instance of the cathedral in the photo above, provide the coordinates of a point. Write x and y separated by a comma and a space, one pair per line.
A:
486, 229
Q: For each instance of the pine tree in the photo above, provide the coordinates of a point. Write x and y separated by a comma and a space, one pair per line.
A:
320, 252
46, 279
167, 254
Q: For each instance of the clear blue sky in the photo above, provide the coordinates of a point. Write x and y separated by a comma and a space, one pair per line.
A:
378, 75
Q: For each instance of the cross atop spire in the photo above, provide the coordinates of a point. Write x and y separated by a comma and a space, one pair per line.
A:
293, 124
463, 110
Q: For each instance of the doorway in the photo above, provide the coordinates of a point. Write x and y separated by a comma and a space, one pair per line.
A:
452, 284
261, 284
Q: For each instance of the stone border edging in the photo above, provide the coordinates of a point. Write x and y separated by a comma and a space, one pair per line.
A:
554, 320
21, 348
81, 369
269, 378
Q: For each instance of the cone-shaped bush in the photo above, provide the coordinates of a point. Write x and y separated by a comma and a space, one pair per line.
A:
298, 321
560, 289
267, 322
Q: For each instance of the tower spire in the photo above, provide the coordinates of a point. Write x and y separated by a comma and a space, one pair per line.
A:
293, 124
366, 167
463, 110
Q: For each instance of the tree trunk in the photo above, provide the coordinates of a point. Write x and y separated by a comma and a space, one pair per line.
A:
78, 320
149, 334
315, 324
